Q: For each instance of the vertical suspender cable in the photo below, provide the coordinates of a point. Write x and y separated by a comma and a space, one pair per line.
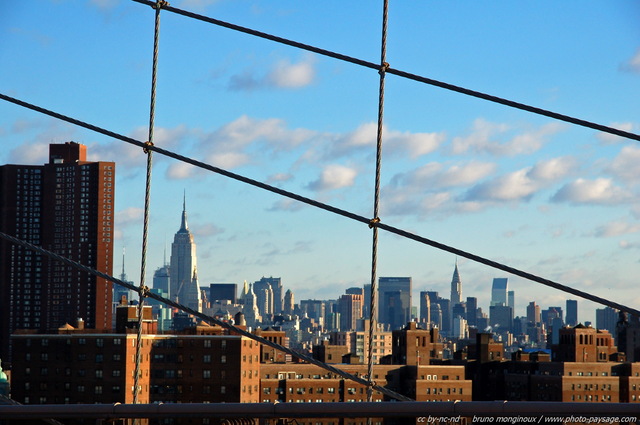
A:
145, 227
376, 203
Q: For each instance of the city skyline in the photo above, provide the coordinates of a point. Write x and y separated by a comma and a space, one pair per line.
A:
552, 199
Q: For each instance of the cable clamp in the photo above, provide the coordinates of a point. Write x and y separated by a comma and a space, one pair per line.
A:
374, 222
160, 4
143, 291
146, 149
383, 68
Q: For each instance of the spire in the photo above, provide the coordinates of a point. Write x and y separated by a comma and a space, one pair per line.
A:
123, 276
184, 227
456, 286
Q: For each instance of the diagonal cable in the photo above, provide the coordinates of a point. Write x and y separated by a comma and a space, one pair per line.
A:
209, 319
404, 74
335, 210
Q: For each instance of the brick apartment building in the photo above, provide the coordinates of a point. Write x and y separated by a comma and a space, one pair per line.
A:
75, 365
65, 206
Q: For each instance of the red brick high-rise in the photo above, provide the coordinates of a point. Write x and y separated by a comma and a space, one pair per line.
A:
65, 206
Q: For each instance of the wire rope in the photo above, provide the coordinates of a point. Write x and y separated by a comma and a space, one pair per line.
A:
376, 201
202, 316
404, 74
335, 210
147, 202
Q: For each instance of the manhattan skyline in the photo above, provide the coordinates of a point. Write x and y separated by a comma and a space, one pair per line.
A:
536, 194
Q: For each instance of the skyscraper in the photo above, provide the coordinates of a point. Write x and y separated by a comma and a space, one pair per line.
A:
571, 318
350, 306
394, 295
65, 206
275, 285
499, 291
456, 287
183, 279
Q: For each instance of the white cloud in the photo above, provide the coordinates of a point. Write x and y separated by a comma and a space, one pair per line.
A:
283, 75
181, 171
524, 183
128, 216
292, 75
286, 204
617, 228
334, 177
509, 187
633, 64
395, 143
31, 153
435, 175
498, 139
625, 164
598, 191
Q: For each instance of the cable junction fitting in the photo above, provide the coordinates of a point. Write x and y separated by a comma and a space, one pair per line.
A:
374, 222
383, 68
160, 4
147, 144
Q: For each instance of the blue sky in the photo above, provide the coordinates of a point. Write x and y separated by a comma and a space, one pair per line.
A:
544, 196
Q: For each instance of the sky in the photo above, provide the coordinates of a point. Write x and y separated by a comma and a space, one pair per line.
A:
540, 195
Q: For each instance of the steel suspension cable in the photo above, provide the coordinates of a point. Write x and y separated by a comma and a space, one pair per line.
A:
376, 201
403, 74
326, 207
231, 328
147, 201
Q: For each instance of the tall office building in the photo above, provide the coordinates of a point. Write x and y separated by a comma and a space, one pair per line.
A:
571, 318
223, 291
350, 309
533, 313
472, 311
394, 294
288, 303
607, 318
275, 284
425, 308
183, 280
456, 287
499, 291
65, 206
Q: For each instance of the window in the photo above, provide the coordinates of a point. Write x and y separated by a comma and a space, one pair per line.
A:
206, 373
223, 389
206, 358
98, 373
98, 389
223, 359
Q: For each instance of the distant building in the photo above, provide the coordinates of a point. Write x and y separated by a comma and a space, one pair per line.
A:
184, 285
350, 306
414, 346
571, 318
501, 318
223, 291
394, 301
288, 303
65, 206
607, 318
456, 287
499, 291
585, 344
275, 285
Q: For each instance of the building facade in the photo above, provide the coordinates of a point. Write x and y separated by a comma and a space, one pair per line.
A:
65, 206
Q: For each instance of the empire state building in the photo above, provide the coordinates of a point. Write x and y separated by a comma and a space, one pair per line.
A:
183, 275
